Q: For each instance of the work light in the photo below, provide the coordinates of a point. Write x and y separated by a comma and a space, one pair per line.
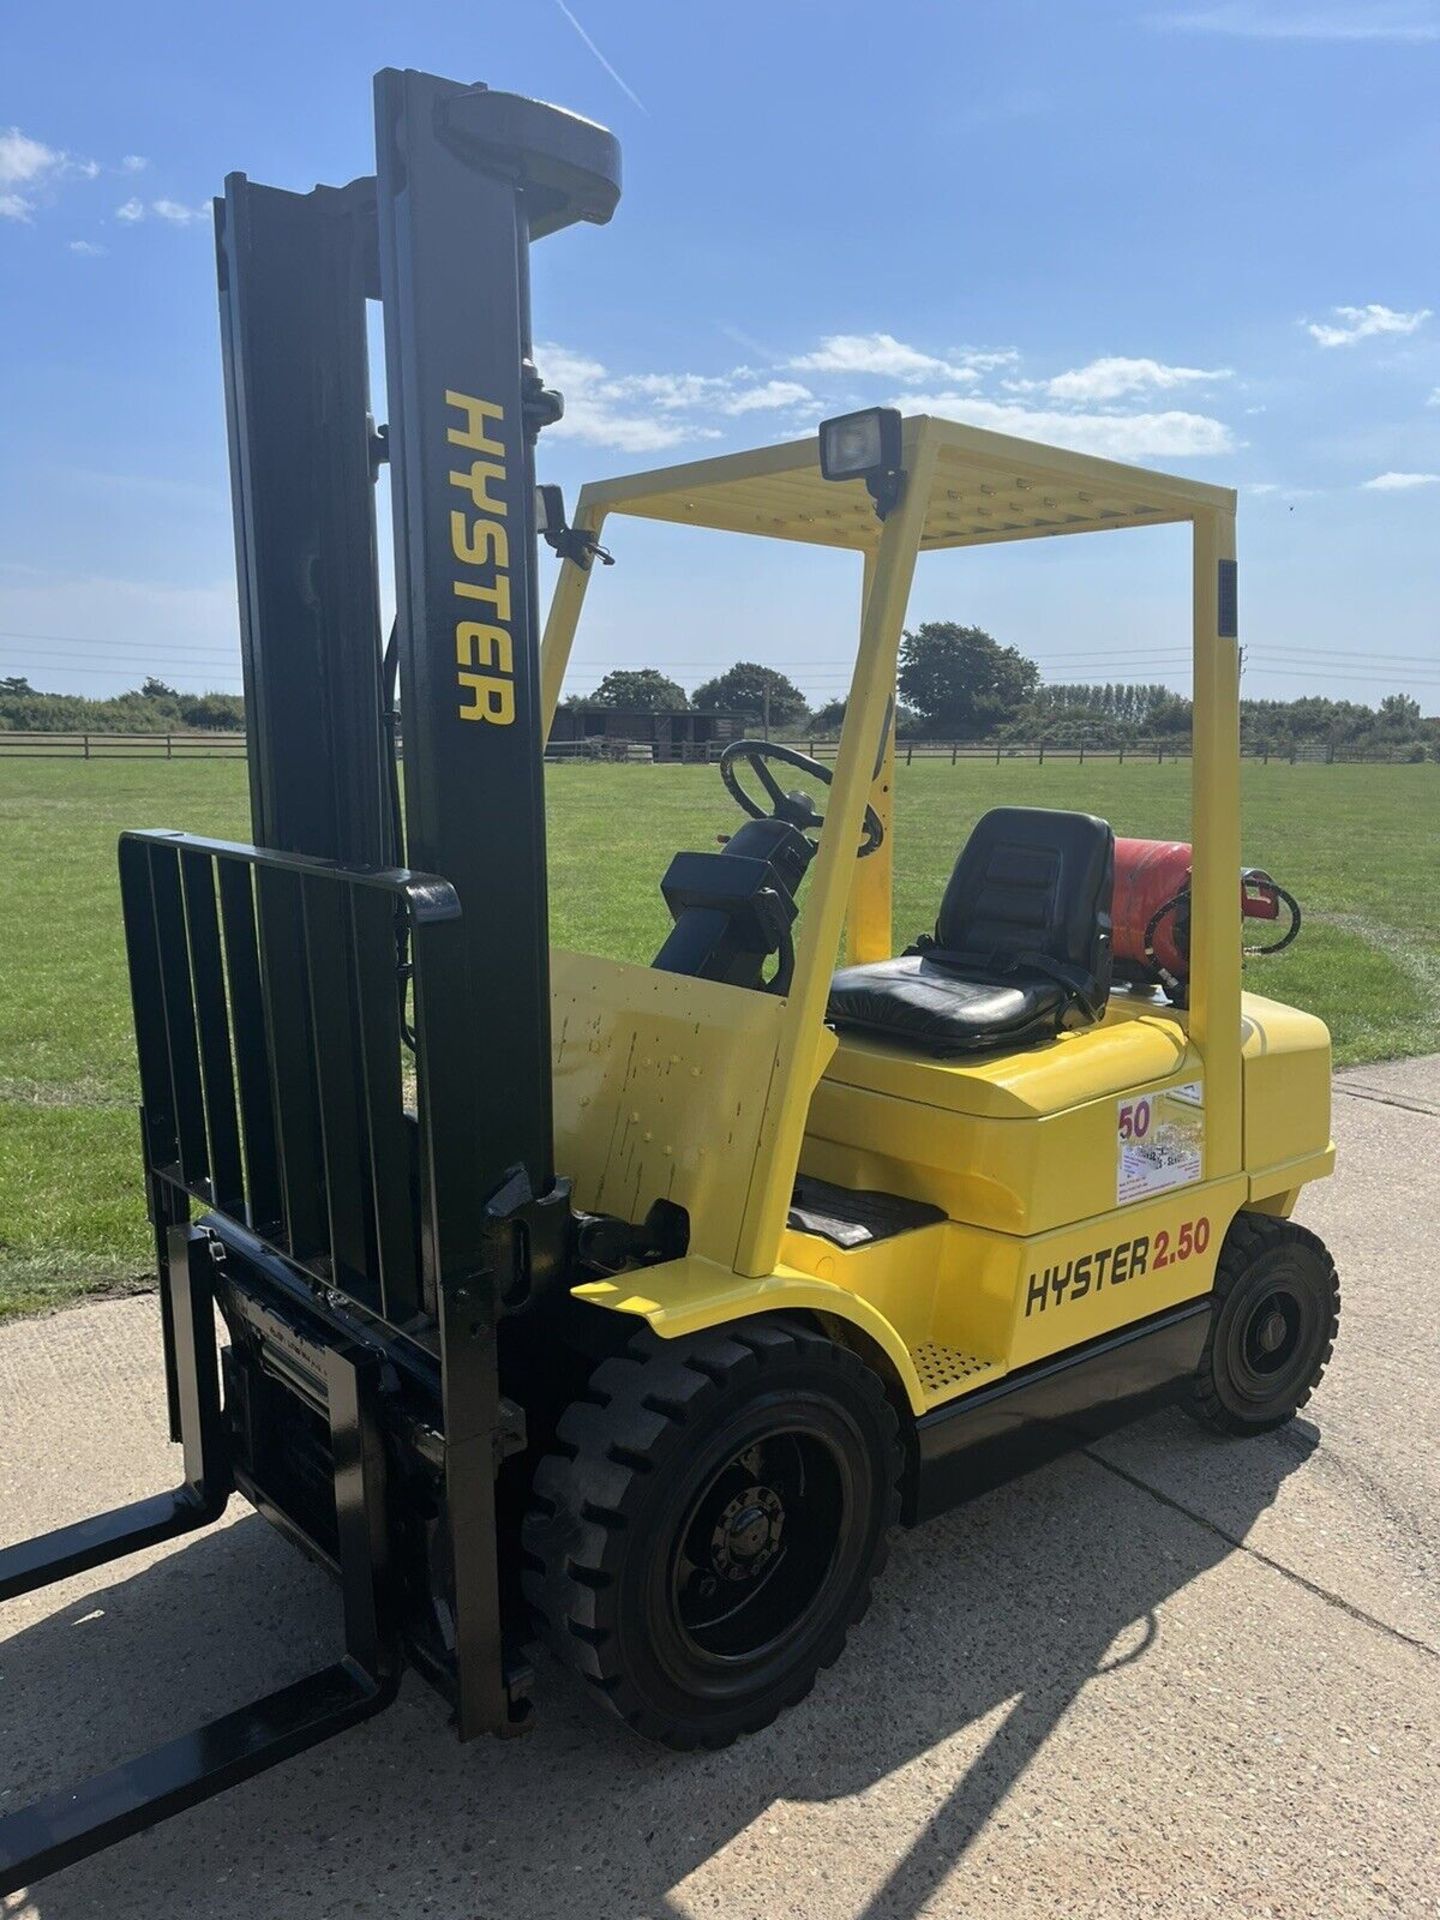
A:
549, 511
864, 446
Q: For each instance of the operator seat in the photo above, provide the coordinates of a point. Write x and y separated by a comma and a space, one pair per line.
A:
1021, 948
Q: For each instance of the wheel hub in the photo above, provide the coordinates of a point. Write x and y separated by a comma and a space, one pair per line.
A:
747, 1534
1270, 1334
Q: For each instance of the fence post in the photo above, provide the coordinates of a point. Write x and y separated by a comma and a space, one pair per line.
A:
1122, 753
997, 753
1041, 761
1159, 753
954, 751
1082, 752
169, 748
86, 740
1267, 753
909, 755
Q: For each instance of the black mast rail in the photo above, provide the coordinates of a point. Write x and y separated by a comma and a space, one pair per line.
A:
466, 180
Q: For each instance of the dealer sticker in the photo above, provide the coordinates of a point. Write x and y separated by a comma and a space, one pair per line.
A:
1159, 1142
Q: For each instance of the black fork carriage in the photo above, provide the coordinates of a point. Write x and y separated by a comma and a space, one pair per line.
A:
344, 1064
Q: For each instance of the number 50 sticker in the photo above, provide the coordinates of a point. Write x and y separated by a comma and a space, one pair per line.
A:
1159, 1141
1134, 1119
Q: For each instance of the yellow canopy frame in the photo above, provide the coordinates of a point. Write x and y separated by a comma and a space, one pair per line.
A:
963, 487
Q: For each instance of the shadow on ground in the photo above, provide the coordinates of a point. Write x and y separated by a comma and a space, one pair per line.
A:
1016, 1603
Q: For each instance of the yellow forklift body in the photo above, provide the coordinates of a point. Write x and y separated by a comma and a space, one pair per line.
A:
1046, 1232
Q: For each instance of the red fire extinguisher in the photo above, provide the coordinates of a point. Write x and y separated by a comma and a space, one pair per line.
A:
1151, 913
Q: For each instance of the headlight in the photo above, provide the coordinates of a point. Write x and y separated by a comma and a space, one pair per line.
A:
864, 446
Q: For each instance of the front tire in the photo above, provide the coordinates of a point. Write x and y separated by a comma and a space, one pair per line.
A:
1277, 1312
710, 1525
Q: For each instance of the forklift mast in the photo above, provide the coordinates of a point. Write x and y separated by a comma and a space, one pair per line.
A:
465, 180
361, 1236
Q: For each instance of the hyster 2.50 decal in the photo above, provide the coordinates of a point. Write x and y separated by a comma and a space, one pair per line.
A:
484, 647
1114, 1266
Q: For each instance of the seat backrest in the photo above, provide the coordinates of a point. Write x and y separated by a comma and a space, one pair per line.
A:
1033, 881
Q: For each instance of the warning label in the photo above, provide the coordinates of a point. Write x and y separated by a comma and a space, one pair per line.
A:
1160, 1142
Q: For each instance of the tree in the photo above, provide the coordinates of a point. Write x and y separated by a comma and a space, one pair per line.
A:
829, 718
1398, 710
153, 689
961, 681
644, 690
743, 690
218, 710
1171, 713
16, 683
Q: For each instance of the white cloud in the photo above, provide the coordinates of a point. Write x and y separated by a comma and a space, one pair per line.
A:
1400, 482
770, 394
1116, 436
32, 166
595, 411
22, 158
1434, 400
86, 247
1402, 20
134, 163
23, 163
987, 359
882, 353
1363, 323
1263, 486
648, 412
671, 391
1113, 376
178, 213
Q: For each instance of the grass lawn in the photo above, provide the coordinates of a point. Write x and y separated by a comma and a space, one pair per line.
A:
1357, 845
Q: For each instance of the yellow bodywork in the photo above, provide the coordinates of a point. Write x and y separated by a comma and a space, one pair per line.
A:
715, 1097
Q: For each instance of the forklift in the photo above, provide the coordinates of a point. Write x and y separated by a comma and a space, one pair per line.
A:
542, 1296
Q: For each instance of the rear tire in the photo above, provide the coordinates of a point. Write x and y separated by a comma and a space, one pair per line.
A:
1277, 1312
710, 1525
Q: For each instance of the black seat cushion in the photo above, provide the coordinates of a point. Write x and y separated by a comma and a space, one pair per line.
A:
916, 1000
1021, 946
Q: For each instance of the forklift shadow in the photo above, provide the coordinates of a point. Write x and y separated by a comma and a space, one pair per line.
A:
1003, 1611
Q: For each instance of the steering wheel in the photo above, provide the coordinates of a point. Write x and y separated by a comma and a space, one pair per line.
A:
797, 808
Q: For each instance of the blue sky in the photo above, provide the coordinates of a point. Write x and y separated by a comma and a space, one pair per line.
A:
1200, 236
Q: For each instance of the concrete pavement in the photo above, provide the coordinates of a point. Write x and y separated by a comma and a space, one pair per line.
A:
1171, 1675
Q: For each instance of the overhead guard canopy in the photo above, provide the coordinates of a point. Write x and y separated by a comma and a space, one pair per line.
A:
988, 487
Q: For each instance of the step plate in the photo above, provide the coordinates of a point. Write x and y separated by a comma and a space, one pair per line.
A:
946, 1371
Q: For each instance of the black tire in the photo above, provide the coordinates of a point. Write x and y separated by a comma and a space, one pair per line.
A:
1277, 1312
710, 1525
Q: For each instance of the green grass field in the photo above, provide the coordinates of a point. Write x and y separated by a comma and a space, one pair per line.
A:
1358, 845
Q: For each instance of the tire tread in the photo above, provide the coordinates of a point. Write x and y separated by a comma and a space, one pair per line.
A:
1251, 1236
587, 1489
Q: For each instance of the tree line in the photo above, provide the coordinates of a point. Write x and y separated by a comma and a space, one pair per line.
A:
955, 683
152, 707
958, 683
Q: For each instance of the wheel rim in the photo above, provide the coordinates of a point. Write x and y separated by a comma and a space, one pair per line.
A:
754, 1554
1271, 1342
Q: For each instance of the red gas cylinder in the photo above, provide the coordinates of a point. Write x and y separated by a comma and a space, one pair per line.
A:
1149, 874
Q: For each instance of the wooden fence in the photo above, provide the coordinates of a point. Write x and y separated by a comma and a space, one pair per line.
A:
1137, 752
122, 746
231, 746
